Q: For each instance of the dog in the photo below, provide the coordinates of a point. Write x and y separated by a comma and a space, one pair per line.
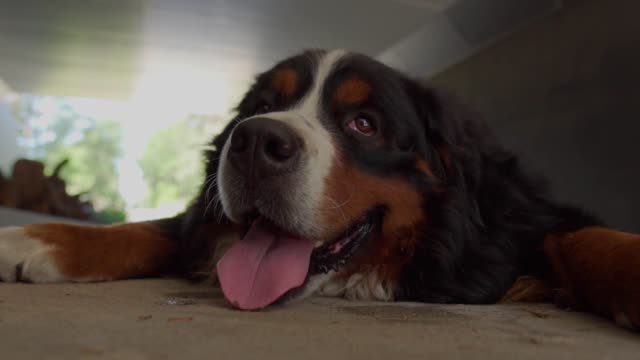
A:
341, 176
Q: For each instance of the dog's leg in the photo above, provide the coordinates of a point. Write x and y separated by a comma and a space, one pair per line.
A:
598, 270
527, 289
61, 252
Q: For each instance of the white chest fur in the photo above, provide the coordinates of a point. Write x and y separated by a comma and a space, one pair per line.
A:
358, 286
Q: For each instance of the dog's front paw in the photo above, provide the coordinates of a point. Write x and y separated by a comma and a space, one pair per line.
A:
24, 258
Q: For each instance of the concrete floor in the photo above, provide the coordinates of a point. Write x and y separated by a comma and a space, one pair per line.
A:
170, 319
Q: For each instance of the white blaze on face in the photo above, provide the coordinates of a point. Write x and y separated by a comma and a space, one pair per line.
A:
307, 192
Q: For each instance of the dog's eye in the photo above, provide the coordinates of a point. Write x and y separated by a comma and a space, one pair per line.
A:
362, 125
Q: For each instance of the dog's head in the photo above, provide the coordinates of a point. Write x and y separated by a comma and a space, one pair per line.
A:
331, 164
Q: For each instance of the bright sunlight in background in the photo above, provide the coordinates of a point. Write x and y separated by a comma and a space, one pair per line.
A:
134, 160
170, 71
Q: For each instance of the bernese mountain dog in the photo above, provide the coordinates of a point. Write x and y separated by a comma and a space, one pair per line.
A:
340, 176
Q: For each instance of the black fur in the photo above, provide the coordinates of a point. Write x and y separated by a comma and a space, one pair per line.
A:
483, 231
487, 228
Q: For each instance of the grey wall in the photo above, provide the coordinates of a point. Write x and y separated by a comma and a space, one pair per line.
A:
565, 93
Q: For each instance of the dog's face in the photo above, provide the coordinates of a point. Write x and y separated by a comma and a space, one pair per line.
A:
328, 165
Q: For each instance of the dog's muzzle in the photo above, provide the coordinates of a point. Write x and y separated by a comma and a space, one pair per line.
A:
261, 148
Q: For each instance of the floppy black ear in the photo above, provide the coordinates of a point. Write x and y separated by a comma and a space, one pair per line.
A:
455, 134
457, 141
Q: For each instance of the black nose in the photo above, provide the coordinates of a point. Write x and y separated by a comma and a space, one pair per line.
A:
261, 147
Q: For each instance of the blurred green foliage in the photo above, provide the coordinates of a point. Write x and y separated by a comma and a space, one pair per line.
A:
172, 165
52, 130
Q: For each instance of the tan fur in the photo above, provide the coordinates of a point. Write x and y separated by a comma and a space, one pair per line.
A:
285, 82
110, 252
350, 193
598, 270
527, 289
352, 91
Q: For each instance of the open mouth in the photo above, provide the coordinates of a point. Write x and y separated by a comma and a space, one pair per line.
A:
269, 262
332, 255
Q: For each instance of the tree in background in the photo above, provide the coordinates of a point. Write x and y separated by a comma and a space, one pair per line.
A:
52, 130
172, 162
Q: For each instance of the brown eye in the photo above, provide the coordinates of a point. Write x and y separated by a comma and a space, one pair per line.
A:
362, 125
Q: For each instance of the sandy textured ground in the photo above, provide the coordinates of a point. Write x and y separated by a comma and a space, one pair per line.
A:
169, 319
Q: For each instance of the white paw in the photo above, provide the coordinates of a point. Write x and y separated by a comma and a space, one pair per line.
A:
359, 286
367, 286
26, 259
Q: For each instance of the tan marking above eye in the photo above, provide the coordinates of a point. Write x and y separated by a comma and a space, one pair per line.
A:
352, 91
285, 82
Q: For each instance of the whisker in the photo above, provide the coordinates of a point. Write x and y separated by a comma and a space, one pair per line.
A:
218, 208
339, 181
214, 199
210, 181
338, 206
207, 195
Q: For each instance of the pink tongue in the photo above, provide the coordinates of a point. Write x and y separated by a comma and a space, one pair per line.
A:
262, 266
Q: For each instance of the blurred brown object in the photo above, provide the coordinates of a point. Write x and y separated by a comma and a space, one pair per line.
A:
7, 195
30, 189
